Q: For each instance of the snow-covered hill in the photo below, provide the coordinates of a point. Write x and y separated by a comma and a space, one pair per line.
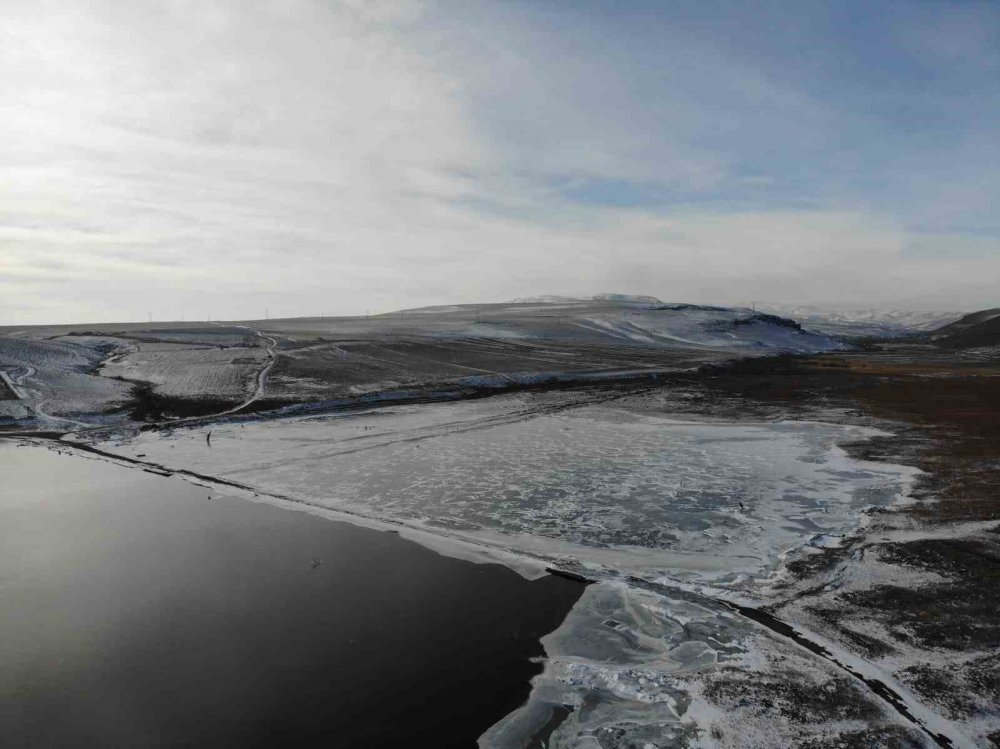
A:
618, 319
862, 322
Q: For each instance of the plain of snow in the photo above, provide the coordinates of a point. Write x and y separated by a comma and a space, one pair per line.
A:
191, 372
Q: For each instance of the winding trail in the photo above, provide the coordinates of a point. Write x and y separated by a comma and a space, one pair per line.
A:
35, 404
34, 401
28, 372
258, 391
56, 420
11, 385
259, 385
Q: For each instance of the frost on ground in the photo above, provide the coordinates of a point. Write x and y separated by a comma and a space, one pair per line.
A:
500, 345
863, 322
595, 485
57, 378
710, 327
606, 319
190, 372
918, 603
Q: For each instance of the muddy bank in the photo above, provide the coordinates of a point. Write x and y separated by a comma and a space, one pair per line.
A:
147, 405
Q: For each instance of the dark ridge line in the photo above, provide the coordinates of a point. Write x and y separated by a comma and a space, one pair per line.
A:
624, 384
627, 384
569, 575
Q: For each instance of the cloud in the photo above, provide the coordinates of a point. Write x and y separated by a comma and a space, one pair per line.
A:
217, 157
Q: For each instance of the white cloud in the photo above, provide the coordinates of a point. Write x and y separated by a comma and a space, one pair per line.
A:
319, 158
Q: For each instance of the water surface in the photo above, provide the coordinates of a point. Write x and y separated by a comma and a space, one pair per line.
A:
135, 611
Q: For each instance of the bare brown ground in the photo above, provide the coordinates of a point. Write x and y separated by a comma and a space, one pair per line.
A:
943, 410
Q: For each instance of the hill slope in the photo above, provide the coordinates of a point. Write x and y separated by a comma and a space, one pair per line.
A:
976, 329
607, 319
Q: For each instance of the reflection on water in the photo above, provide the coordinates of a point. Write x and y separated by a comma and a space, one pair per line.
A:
135, 611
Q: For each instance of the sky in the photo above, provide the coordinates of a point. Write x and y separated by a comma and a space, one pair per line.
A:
218, 158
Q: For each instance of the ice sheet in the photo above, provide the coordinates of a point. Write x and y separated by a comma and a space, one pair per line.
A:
596, 485
617, 664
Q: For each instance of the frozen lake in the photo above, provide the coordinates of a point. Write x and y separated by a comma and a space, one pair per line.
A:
599, 485
664, 513
660, 510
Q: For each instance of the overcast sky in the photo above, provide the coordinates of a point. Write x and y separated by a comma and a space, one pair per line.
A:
220, 157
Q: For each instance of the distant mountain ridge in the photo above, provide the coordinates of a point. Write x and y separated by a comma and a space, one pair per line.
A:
558, 299
877, 321
840, 322
617, 320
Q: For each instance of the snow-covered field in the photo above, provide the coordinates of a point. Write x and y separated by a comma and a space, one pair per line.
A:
499, 345
605, 319
649, 323
189, 372
859, 322
57, 378
708, 327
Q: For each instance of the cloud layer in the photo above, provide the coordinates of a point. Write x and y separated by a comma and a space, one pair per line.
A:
314, 157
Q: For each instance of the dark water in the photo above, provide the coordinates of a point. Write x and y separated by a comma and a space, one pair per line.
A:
134, 612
